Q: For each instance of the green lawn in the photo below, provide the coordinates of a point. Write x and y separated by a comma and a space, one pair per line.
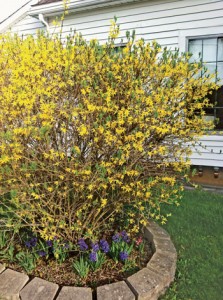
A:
196, 228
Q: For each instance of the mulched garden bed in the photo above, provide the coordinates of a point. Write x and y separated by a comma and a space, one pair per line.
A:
63, 274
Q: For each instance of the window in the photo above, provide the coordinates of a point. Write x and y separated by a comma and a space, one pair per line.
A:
210, 51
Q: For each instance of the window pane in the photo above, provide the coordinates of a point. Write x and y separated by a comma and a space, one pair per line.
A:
220, 72
219, 116
220, 49
209, 113
209, 50
216, 98
219, 97
195, 48
211, 69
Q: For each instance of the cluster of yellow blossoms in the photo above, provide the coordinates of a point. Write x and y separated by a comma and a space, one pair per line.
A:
93, 137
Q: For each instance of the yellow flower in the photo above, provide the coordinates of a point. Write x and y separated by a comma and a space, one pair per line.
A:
103, 202
83, 130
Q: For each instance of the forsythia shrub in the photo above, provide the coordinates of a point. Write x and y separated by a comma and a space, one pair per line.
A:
93, 138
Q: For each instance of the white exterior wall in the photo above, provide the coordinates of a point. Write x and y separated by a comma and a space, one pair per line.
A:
27, 25
171, 23
166, 21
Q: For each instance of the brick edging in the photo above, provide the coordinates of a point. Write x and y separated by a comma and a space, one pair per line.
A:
147, 284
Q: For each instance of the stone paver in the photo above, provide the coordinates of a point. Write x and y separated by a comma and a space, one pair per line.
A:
152, 232
75, 293
11, 282
39, 289
164, 245
164, 265
2, 268
146, 284
115, 291
157, 231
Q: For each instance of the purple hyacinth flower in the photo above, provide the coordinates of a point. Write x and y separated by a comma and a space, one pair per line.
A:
49, 243
124, 236
95, 247
104, 246
33, 241
116, 238
42, 253
28, 244
93, 256
123, 255
82, 244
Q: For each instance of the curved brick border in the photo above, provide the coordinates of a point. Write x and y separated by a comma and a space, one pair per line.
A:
147, 284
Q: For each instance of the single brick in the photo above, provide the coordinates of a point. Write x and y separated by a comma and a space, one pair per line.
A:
11, 282
170, 254
39, 289
2, 268
146, 284
165, 245
115, 291
155, 230
75, 293
164, 265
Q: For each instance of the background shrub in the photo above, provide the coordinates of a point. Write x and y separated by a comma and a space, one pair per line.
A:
92, 137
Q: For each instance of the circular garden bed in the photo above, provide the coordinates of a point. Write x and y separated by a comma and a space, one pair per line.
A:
148, 283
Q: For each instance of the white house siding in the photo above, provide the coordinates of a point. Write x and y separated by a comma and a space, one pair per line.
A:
164, 21
169, 22
26, 26
209, 151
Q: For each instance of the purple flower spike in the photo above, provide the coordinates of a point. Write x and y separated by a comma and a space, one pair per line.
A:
83, 246
123, 255
31, 243
93, 256
42, 253
104, 246
95, 247
124, 236
116, 238
49, 243
28, 244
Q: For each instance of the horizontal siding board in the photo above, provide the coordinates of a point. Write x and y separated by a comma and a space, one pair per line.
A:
26, 28
207, 155
27, 32
27, 21
210, 149
212, 138
213, 143
207, 162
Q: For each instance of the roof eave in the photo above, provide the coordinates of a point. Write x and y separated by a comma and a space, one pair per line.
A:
15, 17
54, 9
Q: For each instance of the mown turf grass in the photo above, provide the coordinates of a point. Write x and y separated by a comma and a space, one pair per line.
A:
196, 228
